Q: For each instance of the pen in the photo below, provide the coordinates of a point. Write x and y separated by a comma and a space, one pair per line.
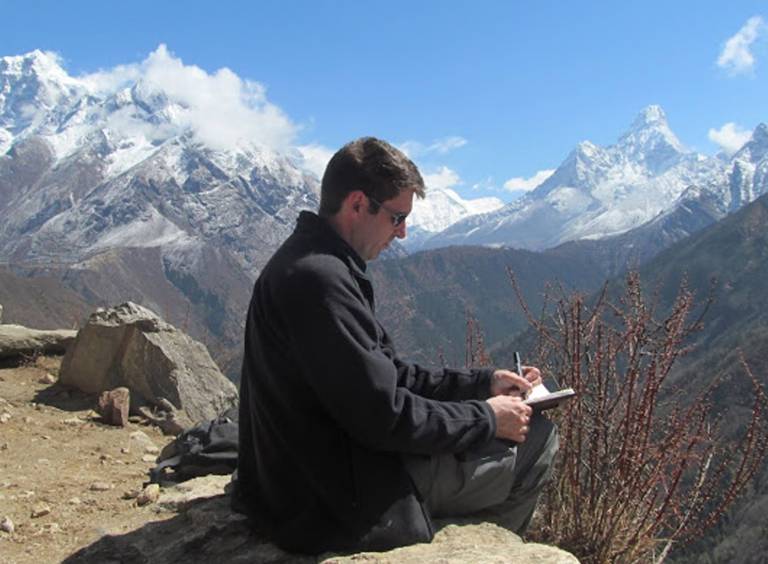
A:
519, 370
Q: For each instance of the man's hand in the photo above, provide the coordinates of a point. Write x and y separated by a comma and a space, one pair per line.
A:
507, 383
513, 417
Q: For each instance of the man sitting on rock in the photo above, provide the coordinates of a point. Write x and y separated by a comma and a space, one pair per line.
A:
343, 445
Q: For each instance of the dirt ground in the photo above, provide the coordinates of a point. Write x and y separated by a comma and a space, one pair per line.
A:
59, 461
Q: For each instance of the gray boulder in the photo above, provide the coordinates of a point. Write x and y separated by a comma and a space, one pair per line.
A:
163, 368
199, 526
16, 340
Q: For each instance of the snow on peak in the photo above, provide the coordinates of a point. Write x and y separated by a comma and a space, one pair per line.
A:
651, 116
31, 86
756, 148
650, 142
43, 64
147, 102
443, 207
650, 127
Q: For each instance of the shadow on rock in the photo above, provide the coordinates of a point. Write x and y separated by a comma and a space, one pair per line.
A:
205, 531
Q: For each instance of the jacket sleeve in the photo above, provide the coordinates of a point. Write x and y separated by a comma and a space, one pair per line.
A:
337, 341
446, 384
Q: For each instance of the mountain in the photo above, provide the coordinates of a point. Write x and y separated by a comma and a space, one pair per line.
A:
696, 209
441, 208
732, 258
424, 299
96, 181
729, 261
641, 181
77, 180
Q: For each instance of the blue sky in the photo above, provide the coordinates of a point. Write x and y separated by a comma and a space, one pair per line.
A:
478, 92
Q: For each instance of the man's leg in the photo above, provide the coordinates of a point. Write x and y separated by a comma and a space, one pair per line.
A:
508, 478
535, 460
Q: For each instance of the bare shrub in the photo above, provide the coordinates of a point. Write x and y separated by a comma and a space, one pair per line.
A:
642, 465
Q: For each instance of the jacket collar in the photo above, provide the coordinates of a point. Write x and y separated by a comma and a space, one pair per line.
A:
320, 230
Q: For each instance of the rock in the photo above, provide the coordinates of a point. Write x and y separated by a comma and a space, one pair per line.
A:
100, 486
149, 458
131, 494
74, 501
204, 529
167, 421
131, 346
177, 497
482, 543
114, 406
148, 495
48, 379
5, 417
17, 340
141, 439
40, 509
7, 525
151, 449
73, 421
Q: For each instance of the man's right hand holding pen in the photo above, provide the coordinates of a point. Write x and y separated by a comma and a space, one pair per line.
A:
508, 392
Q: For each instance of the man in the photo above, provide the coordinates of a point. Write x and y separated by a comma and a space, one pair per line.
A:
342, 444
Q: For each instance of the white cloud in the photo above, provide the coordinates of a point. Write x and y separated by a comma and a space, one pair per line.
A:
527, 184
109, 81
221, 109
736, 55
730, 137
416, 149
314, 158
442, 179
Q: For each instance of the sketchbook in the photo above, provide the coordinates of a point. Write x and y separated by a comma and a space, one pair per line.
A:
541, 398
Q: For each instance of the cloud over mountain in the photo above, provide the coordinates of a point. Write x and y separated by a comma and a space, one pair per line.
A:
730, 137
519, 183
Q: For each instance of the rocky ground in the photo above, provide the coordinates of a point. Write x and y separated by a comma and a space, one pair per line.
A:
69, 485
66, 479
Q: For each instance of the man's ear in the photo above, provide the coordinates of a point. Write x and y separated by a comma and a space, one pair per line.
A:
357, 200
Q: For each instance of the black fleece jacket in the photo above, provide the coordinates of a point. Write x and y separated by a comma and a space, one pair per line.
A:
327, 409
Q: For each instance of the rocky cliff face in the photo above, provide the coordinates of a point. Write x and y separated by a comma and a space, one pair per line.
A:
94, 181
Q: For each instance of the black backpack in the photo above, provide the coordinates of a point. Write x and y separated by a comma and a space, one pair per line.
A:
210, 447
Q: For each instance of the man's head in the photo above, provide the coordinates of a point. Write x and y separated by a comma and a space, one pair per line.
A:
367, 191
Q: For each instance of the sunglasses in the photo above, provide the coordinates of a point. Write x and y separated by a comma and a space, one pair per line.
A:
397, 217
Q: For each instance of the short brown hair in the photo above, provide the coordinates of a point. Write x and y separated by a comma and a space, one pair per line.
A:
371, 165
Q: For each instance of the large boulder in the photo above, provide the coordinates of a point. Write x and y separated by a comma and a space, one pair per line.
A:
200, 527
130, 346
17, 340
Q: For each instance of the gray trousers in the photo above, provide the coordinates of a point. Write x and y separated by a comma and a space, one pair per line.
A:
503, 475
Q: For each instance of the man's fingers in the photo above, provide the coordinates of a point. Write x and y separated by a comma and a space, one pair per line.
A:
513, 379
532, 375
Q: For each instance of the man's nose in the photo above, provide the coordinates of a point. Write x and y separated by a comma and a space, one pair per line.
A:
400, 231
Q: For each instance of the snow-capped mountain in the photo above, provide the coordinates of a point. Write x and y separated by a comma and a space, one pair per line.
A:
598, 192
116, 188
441, 208
85, 169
